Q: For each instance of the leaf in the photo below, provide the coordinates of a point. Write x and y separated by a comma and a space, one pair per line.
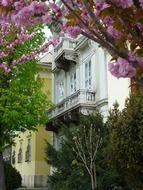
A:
71, 16
71, 23
118, 25
140, 19
5, 9
109, 11
74, 162
139, 52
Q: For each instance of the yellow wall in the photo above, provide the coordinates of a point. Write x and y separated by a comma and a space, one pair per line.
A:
42, 136
37, 165
25, 168
47, 86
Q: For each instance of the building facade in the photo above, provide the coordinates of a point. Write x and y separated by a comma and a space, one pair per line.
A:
81, 82
28, 154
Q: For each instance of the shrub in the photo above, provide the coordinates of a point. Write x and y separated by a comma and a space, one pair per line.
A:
13, 177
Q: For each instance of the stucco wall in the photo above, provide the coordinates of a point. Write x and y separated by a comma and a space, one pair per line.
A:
34, 172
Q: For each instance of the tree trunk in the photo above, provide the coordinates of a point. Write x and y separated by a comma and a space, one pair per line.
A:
2, 173
92, 181
95, 177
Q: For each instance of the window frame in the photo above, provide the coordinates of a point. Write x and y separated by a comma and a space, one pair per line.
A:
19, 159
73, 82
60, 86
28, 151
88, 74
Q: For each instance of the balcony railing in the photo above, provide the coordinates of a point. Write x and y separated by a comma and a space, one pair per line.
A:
79, 98
65, 44
64, 53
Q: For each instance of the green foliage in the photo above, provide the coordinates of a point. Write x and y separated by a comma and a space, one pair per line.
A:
108, 177
28, 46
126, 140
13, 177
70, 172
22, 104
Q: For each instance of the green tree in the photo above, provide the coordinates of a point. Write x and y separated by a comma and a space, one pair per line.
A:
108, 177
126, 140
72, 162
75, 161
68, 171
22, 104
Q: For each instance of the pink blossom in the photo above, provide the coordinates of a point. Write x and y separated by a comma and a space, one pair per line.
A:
57, 10
123, 3
37, 7
108, 21
114, 32
74, 31
100, 5
6, 2
114, 69
2, 54
47, 19
135, 59
131, 57
4, 68
26, 13
139, 60
53, 41
122, 68
19, 5
141, 3
140, 26
85, 14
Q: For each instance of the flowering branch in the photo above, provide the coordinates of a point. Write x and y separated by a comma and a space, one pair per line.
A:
114, 24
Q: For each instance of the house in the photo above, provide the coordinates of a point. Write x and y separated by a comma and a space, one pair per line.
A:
81, 82
28, 154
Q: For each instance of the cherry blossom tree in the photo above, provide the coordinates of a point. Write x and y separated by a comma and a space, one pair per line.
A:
116, 25
21, 40
16, 21
22, 104
12, 36
27, 13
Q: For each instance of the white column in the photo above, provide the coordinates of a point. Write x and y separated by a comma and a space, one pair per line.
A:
102, 74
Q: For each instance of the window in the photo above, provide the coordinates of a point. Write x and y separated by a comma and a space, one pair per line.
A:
19, 160
13, 157
28, 151
60, 90
88, 77
73, 82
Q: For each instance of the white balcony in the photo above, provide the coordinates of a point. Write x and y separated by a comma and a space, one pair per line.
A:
78, 99
64, 53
